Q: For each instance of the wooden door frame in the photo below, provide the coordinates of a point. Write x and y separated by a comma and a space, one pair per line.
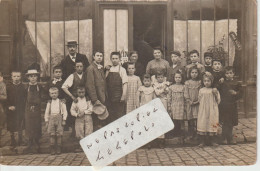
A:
10, 36
98, 33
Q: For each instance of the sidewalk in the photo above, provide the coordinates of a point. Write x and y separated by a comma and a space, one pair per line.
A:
244, 132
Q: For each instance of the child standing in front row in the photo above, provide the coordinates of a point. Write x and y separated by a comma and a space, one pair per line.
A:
191, 93
55, 118
230, 92
3, 97
145, 93
82, 110
133, 84
176, 104
33, 127
15, 105
208, 117
161, 88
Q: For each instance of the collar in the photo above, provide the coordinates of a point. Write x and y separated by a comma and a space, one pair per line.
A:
216, 71
55, 100
83, 98
17, 83
208, 65
73, 57
55, 80
174, 66
33, 84
230, 79
98, 65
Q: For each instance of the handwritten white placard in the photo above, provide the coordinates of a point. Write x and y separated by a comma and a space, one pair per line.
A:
127, 134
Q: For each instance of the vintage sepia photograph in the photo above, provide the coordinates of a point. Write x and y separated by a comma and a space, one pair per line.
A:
128, 82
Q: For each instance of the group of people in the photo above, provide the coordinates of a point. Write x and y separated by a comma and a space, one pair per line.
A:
87, 96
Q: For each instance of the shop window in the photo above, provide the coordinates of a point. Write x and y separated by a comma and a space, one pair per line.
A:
49, 24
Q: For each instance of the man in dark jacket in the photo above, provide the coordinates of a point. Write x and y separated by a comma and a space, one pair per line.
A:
96, 85
68, 63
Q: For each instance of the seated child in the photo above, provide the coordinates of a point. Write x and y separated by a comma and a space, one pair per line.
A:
145, 93
208, 61
161, 88
55, 118
194, 57
230, 92
2, 99
176, 66
15, 107
82, 110
133, 84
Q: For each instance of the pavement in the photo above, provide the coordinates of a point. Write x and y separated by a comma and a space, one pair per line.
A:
245, 132
227, 155
173, 154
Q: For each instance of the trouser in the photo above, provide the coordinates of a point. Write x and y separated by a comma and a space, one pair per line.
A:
83, 126
227, 129
70, 121
55, 137
192, 127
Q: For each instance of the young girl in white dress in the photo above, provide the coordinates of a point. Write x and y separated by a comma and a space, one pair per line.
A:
145, 92
208, 115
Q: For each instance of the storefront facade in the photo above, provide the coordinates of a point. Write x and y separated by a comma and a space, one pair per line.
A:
37, 31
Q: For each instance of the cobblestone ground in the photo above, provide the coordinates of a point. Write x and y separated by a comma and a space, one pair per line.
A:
235, 155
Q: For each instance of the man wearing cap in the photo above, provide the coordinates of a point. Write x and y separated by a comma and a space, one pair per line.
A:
68, 68
68, 63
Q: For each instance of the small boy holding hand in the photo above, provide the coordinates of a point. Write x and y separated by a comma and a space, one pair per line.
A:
82, 110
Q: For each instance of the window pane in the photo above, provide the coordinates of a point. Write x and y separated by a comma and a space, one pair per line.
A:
109, 34
180, 29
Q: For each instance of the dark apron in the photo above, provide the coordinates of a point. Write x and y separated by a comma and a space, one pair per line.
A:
115, 91
33, 117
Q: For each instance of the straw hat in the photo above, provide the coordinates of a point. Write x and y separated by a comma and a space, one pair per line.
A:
104, 115
32, 71
100, 110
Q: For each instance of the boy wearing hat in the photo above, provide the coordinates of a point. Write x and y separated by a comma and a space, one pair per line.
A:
33, 127
208, 61
55, 117
68, 63
176, 65
15, 104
